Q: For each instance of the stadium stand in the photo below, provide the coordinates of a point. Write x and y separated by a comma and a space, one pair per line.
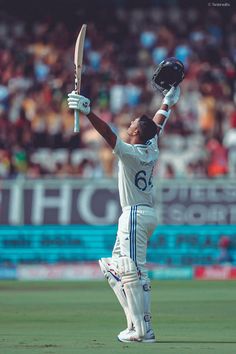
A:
123, 46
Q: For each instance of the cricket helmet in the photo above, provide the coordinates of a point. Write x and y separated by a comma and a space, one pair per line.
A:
170, 72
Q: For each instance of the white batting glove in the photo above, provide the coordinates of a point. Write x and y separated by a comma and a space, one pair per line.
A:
79, 102
172, 96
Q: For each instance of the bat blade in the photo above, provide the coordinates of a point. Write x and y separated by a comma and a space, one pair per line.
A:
78, 61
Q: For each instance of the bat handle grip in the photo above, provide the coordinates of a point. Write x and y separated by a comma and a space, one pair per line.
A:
76, 121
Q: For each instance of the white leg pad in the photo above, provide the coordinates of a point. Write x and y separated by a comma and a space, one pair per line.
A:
147, 303
111, 274
134, 293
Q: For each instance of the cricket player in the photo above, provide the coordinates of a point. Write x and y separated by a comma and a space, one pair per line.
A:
125, 270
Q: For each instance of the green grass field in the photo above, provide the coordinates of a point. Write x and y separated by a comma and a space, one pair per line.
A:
83, 317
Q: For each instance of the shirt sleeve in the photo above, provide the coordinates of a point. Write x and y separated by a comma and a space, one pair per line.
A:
153, 143
123, 150
155, 140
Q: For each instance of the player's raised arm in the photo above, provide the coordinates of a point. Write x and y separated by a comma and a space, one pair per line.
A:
82, 104
162, 115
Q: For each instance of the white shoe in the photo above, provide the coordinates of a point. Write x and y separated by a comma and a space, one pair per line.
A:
130, 336
126, 331
149, 337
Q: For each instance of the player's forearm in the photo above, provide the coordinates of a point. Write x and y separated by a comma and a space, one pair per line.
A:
102, 128
98, 123
158, 117
161, 117
82, 104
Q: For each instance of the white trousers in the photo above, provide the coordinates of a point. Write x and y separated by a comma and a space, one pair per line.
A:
135, 227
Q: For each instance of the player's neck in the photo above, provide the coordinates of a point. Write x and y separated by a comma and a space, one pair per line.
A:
135, 140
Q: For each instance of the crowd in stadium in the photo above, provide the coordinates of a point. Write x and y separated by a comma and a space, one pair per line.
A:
121, 51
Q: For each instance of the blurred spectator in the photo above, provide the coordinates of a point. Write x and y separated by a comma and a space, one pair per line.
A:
169, 173
19, 159
207, 111
217, 165
5, 164
34, 171
230, 143
224, 250
107, 160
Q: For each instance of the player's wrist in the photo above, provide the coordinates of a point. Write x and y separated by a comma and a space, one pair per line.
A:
164, 107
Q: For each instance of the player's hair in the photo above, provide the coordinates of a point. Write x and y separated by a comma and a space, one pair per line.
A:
147, 128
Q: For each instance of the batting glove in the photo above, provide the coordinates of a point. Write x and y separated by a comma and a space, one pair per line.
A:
78, 102
172, 96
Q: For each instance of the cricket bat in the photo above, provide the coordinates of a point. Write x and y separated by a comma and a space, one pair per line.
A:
78, 61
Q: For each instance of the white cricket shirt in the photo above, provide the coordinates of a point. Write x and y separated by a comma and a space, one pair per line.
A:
136, 165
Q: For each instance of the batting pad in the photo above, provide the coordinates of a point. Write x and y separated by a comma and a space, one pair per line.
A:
134, 293
147, 303
111, 274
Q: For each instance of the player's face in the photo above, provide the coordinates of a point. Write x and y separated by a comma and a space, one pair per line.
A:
133, 128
